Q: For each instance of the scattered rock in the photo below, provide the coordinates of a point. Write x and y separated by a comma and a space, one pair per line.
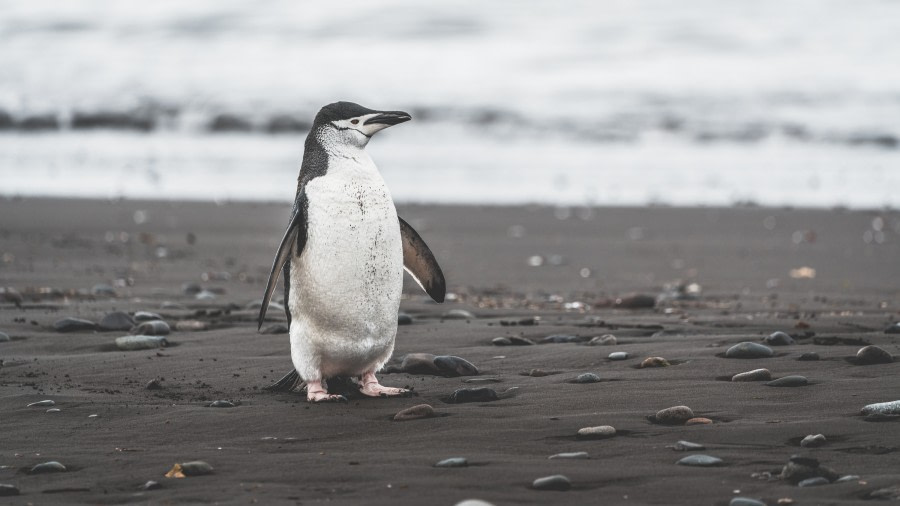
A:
654, 362
221, 404
42, 404
745, 501
512, 341
789, 381
849, 477
404, 319
453, 462
698, 421
74, 325
151, 485
103, 290
473, 395
7, 490
749, 350
53, 410
779, 339
205, 295
4, 337
885, 493
618, 355
599, 432
451, 366
687, 446
571, 455
191, 288
587, 377
117, 320
802, 467
813, 482
152, 328
48, 467
473, 502
458, 314
275, 328
638, 301
813, 441
193, 468
146, 316
893, 328
882, 408
604, 340
501, 341
675, 415
554, 482
754, 375
191, 325
415, 413
129, 343
700, 460
154, 384
809, 356
871, 355
537, 373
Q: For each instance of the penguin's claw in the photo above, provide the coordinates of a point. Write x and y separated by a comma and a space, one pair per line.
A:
371, 387
325, 397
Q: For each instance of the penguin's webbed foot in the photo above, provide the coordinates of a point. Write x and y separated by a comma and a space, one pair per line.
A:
317, 392
370, 386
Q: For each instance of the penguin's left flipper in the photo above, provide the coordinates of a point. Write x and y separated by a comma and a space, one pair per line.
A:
296, 232
420, 263
290, 382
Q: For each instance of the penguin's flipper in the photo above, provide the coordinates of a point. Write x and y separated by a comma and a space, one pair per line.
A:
296, 232
420, 263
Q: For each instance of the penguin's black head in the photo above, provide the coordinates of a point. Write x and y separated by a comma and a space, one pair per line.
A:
353, 123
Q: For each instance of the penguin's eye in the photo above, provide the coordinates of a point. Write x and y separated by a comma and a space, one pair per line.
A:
354, 121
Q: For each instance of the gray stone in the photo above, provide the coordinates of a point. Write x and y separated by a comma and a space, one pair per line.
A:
103, 290
404, 319
42, 404
222, 404
473, 502
748, 349
618, 355
453, 462
554, 482
130, 343
458, 314
886, 493
809, 356
687, 446
151, 485
415, 413
604, 340
676, 415
813, 482
48, 467
789, 381
813, 441
146, 316
512, 341
587, 377
871, 355
473, 395
74, 325
451, 366
205, 295
779, 339
154, 384
7, 490
4, 337
117, 320
700, 460
196, 468
745, 501
882, 408
191, 288
754, 375
598, 432
846, 478
501, 341
570, 455
651, 362
893, 328
152, 328
53, 410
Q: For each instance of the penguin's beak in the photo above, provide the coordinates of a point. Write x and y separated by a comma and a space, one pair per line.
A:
388, 118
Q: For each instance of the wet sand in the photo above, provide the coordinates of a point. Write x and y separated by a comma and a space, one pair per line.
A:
274, 448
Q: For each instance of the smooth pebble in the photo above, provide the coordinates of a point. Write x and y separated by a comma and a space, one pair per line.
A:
414, 413
130, 343
604, 340
151, 485
687, 446
698, 421
587, 377
813, 440
404, 319
48, 467
473, 502
749, 349
745, 501
152, 328
779, 339
754, 375
809, 356
676, 415
598, 432
452, 366
221, 404
7, 490
570, 455
654, 362
894, 328
146, 316
53, 410
789, 381
117, 320
453, 462
554, 482
42, 404
618, 355
700, 460
882, 408
813, 482
4, 337
846, 478
74, 325
871, 355
458, 314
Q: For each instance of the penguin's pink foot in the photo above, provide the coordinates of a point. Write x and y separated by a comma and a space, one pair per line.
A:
316, 392
370, 386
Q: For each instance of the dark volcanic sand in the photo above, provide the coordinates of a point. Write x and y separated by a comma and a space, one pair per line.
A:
355, 454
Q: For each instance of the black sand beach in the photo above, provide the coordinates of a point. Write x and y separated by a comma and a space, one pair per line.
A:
828, 278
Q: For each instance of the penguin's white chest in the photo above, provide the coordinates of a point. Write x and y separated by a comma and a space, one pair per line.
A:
346, 284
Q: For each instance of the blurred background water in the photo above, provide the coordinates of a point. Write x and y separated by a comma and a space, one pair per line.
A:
628, 102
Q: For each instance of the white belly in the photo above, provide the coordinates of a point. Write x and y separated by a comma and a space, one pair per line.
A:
346, 285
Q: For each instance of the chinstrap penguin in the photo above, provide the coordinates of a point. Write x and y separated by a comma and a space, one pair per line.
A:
343, 257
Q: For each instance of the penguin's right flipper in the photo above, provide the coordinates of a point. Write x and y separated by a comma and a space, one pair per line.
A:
296, 232
419, 262
290, 382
